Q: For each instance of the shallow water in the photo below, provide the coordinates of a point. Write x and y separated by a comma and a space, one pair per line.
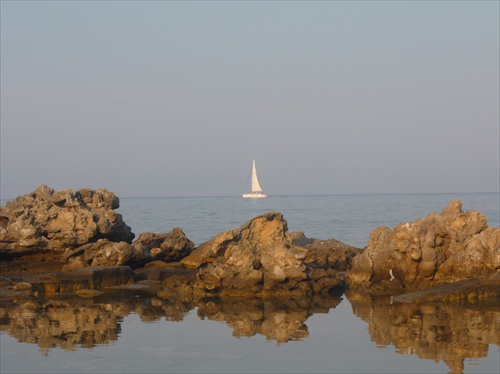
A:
339, 334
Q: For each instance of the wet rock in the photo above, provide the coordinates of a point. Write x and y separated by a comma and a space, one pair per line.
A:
91, 278
22, 286
177, 283
439, 248
55, 220
471, 291
257, 258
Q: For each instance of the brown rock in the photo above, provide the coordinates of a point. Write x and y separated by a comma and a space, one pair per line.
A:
435, 249
57, 220
168, 247
329, 253
257, 258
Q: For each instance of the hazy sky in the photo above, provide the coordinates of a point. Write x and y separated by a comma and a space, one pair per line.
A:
168, 98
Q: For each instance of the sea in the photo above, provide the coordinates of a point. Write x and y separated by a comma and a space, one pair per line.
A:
338, 333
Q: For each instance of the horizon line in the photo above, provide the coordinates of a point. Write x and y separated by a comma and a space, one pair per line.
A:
293, 195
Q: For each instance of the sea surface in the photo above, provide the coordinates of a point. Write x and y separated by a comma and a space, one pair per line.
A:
341, 333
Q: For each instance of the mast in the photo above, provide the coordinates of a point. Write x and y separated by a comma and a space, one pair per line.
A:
255, 182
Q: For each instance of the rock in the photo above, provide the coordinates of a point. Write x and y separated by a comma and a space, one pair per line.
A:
177, 282
168, 247
82, 280
22, 286
89, 293
329, 253
106, 253
436, 249
55, 220
467, 291
257, 258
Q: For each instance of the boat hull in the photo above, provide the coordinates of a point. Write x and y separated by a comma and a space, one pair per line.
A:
254, 195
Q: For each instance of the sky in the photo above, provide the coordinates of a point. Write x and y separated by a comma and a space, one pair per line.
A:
175, 98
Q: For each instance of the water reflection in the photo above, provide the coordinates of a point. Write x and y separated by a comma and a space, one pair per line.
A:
451, 333
433, 332
282, 320
84, 323
67, 324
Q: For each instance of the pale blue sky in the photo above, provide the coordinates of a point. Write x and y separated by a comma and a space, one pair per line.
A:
176, 98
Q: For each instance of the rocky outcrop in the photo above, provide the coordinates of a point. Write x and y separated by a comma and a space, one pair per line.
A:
439, 248
257, 258
56, 220
168, 247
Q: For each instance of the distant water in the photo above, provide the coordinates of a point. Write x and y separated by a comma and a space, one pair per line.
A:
338, 334
348, 218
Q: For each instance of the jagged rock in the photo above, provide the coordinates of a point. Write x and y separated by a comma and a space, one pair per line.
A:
55, 220
439, 248
257, 258
169, 247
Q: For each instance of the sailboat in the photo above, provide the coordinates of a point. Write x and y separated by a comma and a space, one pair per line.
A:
256, 191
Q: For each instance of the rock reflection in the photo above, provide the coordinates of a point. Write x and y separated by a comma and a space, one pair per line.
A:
73, 323
80, 323
282, 320
63, 323
451, 333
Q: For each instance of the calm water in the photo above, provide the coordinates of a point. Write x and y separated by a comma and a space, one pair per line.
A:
338, 334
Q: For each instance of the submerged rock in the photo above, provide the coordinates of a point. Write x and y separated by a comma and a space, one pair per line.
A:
439, 248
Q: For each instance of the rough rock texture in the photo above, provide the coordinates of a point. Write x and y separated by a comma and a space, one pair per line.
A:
439, 248
105, 253
55, 220
257, 258
169, 247
329, 253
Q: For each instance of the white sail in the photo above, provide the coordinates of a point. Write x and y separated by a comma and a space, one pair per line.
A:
255, 182
256, 189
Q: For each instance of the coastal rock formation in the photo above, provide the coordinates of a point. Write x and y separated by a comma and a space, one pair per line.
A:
56, 220
257, 258
439, 248
168, 247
